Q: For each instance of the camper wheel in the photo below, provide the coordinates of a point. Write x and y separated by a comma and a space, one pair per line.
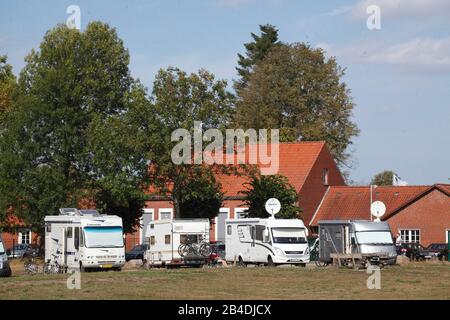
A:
241, 262
82, 269
270, 262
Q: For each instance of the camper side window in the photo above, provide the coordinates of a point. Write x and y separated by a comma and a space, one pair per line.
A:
69, 232
167, 239
49, 227
229, 230
259, 235
152, 240
76, 240
81, 237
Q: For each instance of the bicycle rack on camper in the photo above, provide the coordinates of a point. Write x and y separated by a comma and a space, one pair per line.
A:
84, 239
180, 242
356, 242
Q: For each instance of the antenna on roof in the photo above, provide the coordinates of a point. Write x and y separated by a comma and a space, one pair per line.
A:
273, 206
377, 209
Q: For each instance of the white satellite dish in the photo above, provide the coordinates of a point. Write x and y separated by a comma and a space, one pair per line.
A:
377, 209
273, 206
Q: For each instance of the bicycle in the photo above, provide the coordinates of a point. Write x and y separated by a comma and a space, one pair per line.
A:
30, 265
194, 249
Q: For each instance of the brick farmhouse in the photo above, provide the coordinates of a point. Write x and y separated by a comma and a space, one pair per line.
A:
415, 213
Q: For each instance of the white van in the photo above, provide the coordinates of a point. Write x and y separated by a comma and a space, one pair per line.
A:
266, 241
5, 269
84, 239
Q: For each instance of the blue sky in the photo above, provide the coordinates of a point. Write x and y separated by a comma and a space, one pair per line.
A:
399, 75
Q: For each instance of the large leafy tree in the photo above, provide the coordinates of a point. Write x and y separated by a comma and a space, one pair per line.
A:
179, 100
384, 178
7, 87
297, 89
255, 52
261, 188
201, 195
81, 129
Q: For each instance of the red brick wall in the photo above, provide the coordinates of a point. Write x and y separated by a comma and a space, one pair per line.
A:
10, 239
429, 214
313, 189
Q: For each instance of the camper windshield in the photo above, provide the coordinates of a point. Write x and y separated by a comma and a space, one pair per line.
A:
103, 237
288, 235
374, 237
2, 249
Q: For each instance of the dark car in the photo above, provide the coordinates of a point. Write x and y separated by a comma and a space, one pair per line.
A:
412, 250
137, 253
22, 251
218, 249
439, 250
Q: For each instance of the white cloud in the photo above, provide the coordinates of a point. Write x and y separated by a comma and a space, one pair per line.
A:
337, 12
403, 8
418, 52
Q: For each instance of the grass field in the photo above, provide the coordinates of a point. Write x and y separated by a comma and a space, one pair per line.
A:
412, 281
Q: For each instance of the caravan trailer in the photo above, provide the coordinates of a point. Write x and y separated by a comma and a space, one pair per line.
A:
84, 239
370, 239
266, 241
181, 242
5, 269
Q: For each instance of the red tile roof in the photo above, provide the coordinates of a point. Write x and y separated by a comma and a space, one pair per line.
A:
295, 162
296, 159
348, 202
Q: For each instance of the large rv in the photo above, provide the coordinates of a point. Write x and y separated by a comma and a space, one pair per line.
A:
5, 270
84, 239
370, 239
266, 241
181, 242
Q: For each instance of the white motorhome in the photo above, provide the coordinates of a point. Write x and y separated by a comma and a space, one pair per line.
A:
167, 238
84, 239
266, 241
5, 269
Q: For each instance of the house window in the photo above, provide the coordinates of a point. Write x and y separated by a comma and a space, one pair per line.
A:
25, 237
325, 177
167, 239
412, 235
165, 214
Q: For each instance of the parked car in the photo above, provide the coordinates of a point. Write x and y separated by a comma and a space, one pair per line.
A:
412, 250
439, 250
137, 253
22, 251
218, 249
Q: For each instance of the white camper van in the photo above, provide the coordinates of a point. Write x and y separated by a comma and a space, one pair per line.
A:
181, 242
266, 241
5, 269
84, 239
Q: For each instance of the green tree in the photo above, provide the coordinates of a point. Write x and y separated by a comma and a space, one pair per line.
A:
296, 89
77, 132
261, 188
7, 87
255, 52
201, 195
384, 178
180, 99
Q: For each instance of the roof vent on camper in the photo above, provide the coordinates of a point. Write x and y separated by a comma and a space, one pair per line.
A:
68, 211
91, 212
